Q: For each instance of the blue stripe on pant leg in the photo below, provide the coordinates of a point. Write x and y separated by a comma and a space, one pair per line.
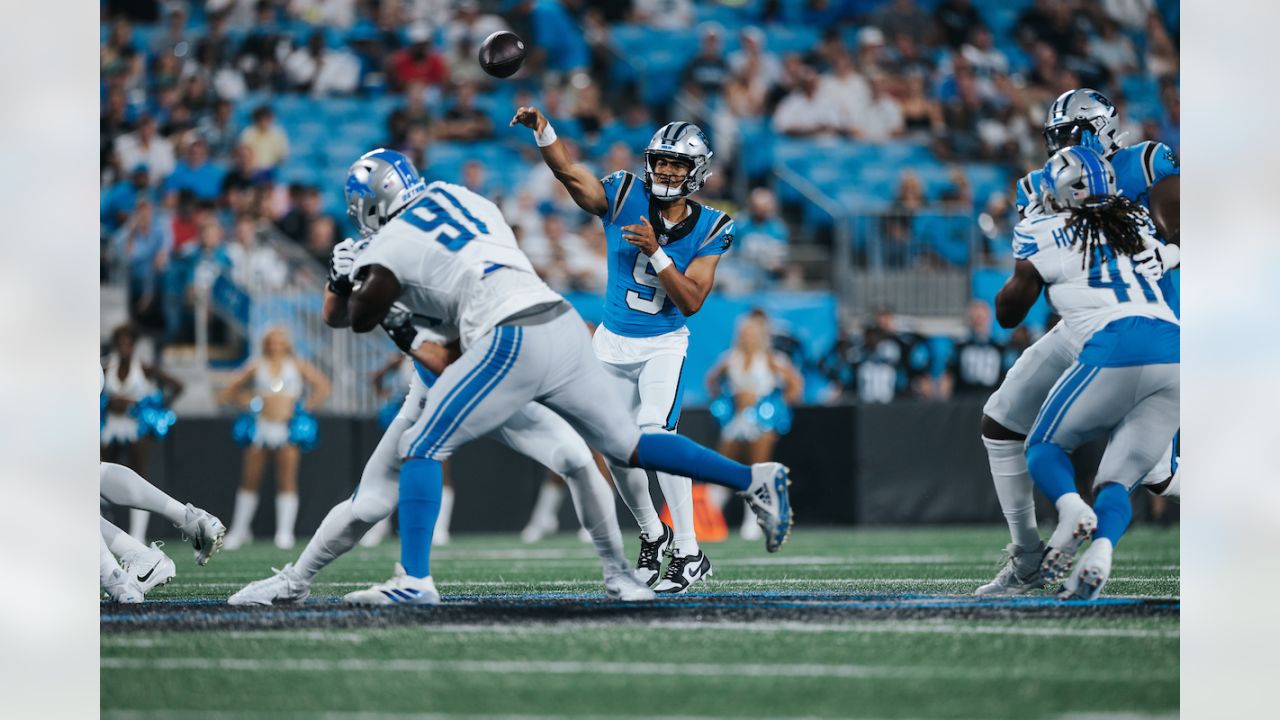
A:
673, 415
1056, 406
435, 416
1050, 404
1062, 414
450, 416
469, 405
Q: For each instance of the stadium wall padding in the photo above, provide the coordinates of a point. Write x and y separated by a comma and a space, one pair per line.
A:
898, 464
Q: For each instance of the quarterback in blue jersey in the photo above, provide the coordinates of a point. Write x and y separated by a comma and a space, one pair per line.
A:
663, 248
1148, 175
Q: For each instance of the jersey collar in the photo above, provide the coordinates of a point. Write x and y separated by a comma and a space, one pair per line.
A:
677, 231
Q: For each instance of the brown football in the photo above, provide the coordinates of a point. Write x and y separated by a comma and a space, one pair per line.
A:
502, 53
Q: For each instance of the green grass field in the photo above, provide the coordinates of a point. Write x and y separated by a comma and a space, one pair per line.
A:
812, 654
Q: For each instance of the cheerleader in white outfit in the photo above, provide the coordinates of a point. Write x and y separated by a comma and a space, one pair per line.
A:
128, 380
750, 371
272, 385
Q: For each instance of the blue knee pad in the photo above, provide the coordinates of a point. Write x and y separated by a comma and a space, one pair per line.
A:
421, 484
1051, 470
1114, 512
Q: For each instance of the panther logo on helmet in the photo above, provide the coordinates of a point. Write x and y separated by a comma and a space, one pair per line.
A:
1083, 117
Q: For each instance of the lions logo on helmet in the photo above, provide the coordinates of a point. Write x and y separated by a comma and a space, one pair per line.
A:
1077, 177
379, 185
684, 143
1083, 117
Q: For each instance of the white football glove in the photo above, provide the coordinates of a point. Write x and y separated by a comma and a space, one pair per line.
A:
341, 261
1154, 262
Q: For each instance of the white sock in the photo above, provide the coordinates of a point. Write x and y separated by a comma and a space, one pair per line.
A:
118, 541
106, 561
338, 533
593, 501
121, 486
718, 495
138, 520
242, 517
446, 511
679, 494
1070, 502
1014, 489
286, 513
546, 509
633, 486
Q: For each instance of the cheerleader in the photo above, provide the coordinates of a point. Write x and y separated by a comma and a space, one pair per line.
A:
273, 386
126, 440
758, 385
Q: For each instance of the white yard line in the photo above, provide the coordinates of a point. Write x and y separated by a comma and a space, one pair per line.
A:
174, 714
628, 669
842, 583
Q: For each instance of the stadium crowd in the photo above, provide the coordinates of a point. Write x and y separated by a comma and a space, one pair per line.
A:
200, 166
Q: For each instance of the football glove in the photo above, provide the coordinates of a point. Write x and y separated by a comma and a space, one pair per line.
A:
397, 324
1154, 262
341, 261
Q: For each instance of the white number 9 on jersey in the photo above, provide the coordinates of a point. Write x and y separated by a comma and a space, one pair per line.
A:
638, 302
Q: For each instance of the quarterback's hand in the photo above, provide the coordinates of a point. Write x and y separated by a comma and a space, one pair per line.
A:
341, 261
530, 118
641, 235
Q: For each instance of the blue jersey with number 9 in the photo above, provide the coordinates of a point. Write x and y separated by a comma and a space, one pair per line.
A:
636, 305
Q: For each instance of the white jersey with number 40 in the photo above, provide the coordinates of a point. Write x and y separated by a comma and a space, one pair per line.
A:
1092, 294
457, 262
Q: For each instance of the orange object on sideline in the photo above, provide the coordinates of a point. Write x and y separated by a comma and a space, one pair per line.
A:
708, 521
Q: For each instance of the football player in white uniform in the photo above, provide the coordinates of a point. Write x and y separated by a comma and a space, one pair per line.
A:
447, 255
1124, 381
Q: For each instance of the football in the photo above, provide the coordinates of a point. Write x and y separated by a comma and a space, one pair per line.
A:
502, 53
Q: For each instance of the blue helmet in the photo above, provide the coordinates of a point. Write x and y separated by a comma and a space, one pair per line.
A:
1076, 177
379, 185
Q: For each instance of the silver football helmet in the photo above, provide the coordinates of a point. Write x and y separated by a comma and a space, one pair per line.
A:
379, 185
1077, 177
683, 142
1083, 117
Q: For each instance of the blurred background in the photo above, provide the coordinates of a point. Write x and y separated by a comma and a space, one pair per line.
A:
866, 148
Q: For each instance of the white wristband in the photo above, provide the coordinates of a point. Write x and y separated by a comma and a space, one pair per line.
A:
545, 136
660, 261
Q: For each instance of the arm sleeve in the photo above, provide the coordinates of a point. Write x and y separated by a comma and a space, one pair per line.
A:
616, 188
1024, 241
719, 239
1159, 161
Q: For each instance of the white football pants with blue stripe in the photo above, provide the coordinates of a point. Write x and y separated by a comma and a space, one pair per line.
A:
1137, 405
1026, 388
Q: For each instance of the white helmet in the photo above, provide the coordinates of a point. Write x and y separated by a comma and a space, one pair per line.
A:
683, 142
1075, 177
1083, 117
379, 185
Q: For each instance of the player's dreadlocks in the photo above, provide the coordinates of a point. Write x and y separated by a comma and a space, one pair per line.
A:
1117, 218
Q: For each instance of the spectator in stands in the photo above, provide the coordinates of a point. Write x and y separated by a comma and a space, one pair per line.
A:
882, 365
145, 146
462, 37
996, 222
241, 175
475, 179
590, 112
822, 57
708, 69
566, 262
195, 172
174, 33
894, 247
419, 62
904, 17
987, 60
880, 119
663, 14
1170, 127
319, 70
144, 243
335, 13
955, 20
593, 274
964, 115
1162, 56
806, 113
1050, 22
464, 121
977, 362
633, 129
1081, 62
1131, 14
253, 263
755, 65
558, 46
1113, 48
305, 208
921, 114
266, 139
322, 235
260, 54
282, 384
759, 257
218, 130
118, 201
873, 55
846, 89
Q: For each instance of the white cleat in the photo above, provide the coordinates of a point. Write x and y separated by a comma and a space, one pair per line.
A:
623, 586
439, 537
1090, 574
122, 588
539, 528
283, 588
750, 529
769, 500
1020, 574
285, 541
683, 571
1074, 527
236, 540
584, 536
401, 589
151, 568
205, 532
